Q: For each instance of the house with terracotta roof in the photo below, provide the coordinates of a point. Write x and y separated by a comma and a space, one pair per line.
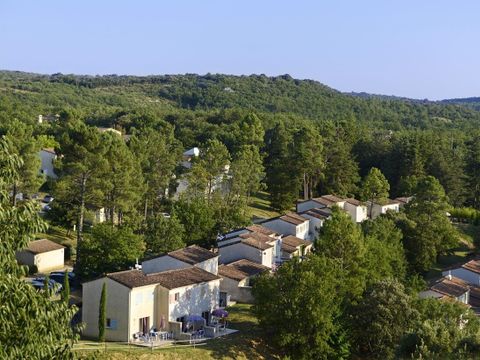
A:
293, 246
357, 209
449, 287
183, 258
316, 217
403, 200
469, 272
45, 254
47, 158
255, 242
320, 202
378, 209
289, 224
238, 278
139, 303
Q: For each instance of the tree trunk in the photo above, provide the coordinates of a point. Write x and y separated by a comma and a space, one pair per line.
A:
305, 187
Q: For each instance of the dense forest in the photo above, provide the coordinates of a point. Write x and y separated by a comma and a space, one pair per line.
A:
292, 138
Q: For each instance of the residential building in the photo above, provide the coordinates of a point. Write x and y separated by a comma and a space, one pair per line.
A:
47, 158
45, 254
469, 272
183, 258
293, 246
357, 210
449, 287
379, 209
254, 248
188, 156
316, 219
289, 224
138, 302
320, 202
237, 280
402, 201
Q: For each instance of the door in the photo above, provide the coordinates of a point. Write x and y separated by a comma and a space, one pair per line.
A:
206, 316
144, 325
223, 299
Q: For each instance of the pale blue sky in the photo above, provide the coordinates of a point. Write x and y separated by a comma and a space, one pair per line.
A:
423, 48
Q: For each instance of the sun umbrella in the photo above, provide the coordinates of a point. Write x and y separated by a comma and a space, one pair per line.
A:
220, 313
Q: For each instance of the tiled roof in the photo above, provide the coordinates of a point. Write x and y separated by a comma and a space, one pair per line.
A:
293, 218
257, 236
43, 246
191, 255
472, 265
332, 198
291, 243
403, 200
322, 213
49, 150
260, 229
168, 279
258, 244
354, 202
241, 269
450, 286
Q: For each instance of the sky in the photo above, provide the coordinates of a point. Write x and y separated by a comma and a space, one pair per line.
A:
419, 49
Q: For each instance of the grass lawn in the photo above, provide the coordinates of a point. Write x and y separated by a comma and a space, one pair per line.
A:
246, 344
468, 234
260, 206
59, 235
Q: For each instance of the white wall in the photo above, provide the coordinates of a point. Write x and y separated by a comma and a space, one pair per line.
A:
237, 290
143, 302
50, 260
281, 227
377, 209
162, 263
314, 226
241, 251
194, 299
210, 265
357, 213
46, 167
464, 274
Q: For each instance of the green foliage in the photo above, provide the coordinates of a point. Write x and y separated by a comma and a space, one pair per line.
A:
384, 314
109, 249
102, 314
197, 217
163, 234
375, 188
298, 308
342, 240
66, 288
427, 231
444, 329
31, 325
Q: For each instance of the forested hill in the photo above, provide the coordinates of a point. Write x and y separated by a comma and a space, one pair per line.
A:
471, 102
105, 97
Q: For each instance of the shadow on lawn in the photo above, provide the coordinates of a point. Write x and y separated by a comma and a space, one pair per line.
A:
247, 342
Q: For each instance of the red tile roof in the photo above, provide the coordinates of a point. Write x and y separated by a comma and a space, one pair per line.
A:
472, 265
241, 269
260, 229
292, 243
43, 246
453, 286
258, 244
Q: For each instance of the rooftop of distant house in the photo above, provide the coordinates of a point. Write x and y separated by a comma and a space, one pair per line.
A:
241, 269
171, 279
192, 255
43, 246
292, 243
450, 286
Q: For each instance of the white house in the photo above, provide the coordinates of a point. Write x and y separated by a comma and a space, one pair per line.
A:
316, 217
449, 287
238, 278
138, 302
188, 156
320, 202
183, 258
46, 255
379, 209
469, 272
402, 201
47, 158
293, 246
356, 209
247, 247
289, 224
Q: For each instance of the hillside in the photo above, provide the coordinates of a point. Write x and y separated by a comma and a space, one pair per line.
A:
105, 98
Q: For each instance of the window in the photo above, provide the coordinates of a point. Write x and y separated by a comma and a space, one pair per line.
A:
111, 324
177, 296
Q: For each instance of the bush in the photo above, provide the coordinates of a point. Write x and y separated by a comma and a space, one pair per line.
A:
32, 269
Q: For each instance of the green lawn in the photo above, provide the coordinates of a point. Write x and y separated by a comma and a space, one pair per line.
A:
246, 344
260, 206
61, 236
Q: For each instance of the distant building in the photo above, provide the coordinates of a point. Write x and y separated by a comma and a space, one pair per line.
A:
46, 255
47, 158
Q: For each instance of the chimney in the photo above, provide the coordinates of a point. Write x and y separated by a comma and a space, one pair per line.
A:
449, 276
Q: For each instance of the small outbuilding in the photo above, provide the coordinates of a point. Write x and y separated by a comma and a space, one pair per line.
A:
46, 255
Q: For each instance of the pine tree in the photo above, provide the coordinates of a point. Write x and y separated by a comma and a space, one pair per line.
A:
102, 314
66, 288
375, 188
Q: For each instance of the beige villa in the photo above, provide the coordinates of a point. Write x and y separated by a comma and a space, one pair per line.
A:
138, 302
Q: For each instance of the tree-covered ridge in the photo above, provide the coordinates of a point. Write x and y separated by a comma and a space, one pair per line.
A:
105, 97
